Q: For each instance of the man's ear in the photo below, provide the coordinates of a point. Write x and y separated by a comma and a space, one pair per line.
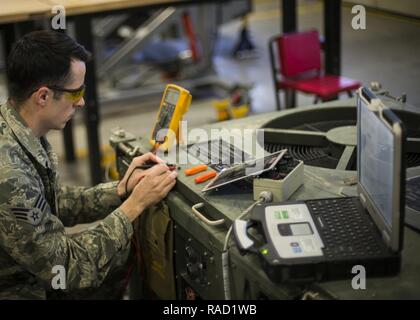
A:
41, 96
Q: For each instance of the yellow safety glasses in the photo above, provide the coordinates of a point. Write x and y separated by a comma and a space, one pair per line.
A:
73, 94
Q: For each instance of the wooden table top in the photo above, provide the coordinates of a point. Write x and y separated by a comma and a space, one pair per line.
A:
74, 7
22, 10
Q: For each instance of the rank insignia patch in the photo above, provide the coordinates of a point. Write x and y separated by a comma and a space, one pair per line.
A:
31, 215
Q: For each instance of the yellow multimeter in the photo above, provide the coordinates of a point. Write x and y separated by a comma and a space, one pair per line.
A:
175, 103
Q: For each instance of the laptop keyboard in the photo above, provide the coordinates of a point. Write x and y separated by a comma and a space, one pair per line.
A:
344, 229
412, 193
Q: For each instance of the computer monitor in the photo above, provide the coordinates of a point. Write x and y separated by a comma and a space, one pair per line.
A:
380, 165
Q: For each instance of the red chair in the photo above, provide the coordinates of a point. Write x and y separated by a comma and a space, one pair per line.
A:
296, 66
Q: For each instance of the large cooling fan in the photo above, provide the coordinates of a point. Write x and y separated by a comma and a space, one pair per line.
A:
327, 137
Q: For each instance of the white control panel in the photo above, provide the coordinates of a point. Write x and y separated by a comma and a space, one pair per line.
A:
292, 231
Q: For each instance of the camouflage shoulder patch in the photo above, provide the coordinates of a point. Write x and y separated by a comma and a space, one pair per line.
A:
31, 215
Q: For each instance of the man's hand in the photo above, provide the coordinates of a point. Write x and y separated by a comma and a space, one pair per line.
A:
123, 188
152, 188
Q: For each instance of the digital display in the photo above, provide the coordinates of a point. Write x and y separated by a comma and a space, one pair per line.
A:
376, 160
172, 96
165, 115
301, 229
244, 170
163, 122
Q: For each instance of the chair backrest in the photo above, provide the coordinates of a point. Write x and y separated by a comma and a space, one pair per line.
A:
299, 53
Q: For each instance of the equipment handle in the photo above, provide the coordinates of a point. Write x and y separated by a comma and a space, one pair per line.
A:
203, 218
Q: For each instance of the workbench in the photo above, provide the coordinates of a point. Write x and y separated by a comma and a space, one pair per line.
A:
198, 246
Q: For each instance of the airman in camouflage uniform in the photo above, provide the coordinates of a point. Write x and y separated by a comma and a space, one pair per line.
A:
34, 209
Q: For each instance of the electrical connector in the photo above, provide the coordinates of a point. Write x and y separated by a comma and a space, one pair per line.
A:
265, 196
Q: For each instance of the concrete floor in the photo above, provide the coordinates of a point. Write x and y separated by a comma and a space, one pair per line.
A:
388, 52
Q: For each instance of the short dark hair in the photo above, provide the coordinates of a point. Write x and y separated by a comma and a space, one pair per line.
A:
41, 58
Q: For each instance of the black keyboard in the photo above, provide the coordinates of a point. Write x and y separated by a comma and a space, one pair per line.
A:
412, 193
345, 230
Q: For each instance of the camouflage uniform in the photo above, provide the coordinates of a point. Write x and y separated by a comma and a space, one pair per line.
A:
34, 211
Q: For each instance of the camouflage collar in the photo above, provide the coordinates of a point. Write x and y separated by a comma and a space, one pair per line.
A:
40, 149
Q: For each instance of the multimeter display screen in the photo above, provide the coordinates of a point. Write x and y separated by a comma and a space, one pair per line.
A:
165, 115
172, 96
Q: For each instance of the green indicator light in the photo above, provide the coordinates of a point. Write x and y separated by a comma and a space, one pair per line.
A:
264, 251
277, 214
285, 215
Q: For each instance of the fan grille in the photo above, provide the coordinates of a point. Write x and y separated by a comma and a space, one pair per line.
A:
314, 156
323, 120
321, 157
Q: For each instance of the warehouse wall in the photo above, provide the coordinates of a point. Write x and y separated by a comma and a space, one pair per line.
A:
406, 7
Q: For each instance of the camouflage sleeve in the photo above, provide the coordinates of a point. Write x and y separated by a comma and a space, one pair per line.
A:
85, 205
36, 239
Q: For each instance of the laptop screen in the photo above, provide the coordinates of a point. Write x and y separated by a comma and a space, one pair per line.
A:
376, 161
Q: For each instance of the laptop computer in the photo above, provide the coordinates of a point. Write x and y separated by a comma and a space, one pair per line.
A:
324, 239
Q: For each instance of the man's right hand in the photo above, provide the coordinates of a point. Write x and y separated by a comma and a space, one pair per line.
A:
125, 187
154, 186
